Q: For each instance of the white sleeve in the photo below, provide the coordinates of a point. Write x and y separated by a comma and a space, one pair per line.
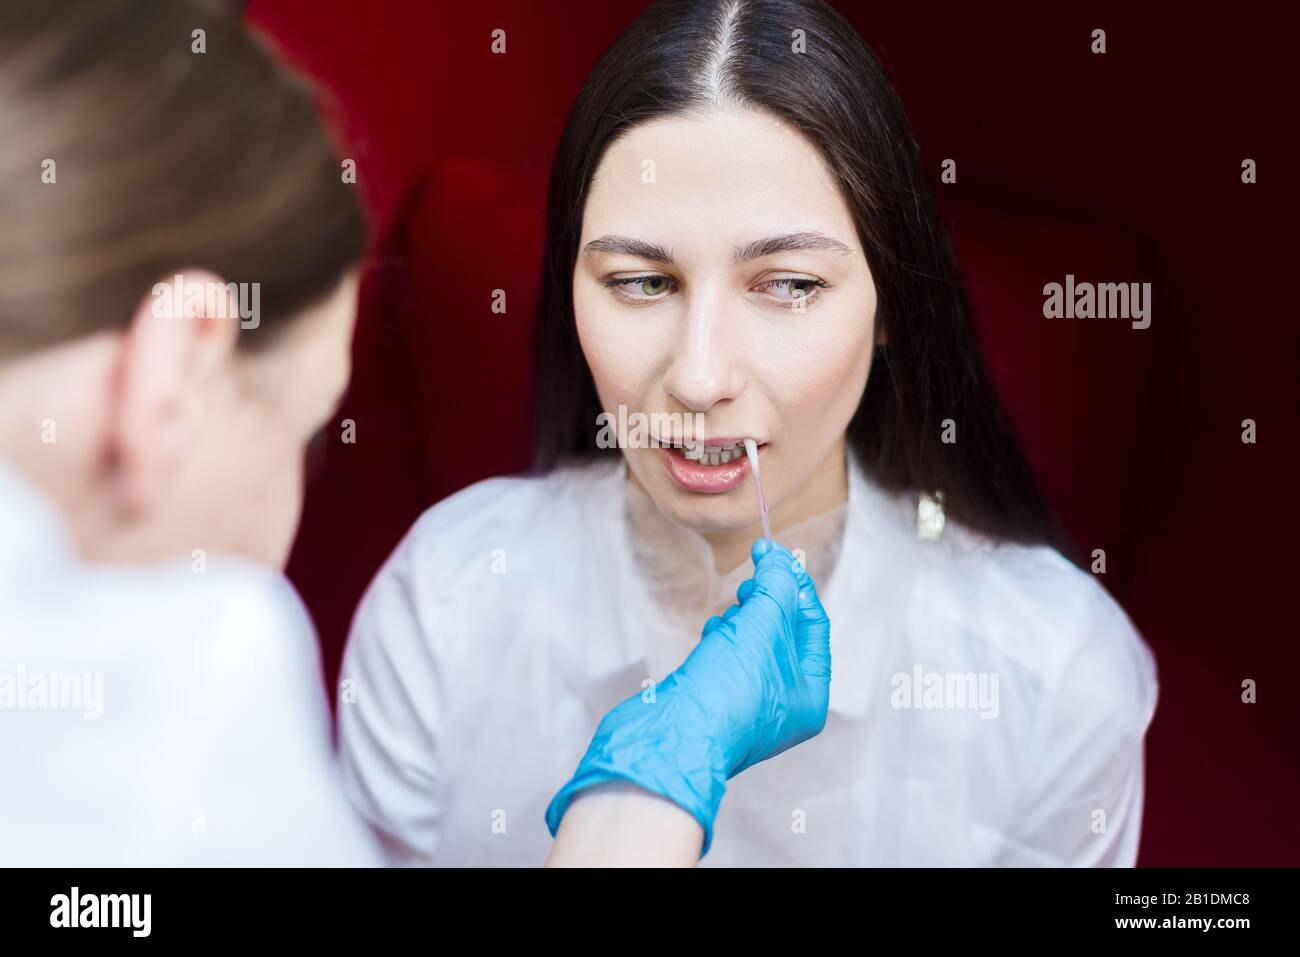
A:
267, 790
1082, 802
391, 688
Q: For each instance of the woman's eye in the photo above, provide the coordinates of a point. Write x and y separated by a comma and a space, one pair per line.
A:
653, 285
641, 287
790, 289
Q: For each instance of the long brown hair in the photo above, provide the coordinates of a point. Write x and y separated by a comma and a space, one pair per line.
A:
161, 159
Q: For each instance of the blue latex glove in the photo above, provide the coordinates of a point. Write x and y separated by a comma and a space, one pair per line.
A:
757, 683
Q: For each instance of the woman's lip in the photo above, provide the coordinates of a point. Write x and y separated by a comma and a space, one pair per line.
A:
706, 479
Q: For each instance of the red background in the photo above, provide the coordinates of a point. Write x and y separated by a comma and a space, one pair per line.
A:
1122, 166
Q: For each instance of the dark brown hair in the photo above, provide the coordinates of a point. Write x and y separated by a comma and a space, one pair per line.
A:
683, 55
164, 159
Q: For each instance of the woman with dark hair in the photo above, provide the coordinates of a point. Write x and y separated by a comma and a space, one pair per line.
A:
741, 245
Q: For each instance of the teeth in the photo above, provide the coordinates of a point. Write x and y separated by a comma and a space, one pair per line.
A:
714, 454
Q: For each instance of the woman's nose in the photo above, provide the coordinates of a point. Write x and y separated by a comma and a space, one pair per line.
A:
705, 369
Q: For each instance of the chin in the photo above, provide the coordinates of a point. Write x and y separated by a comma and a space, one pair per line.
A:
719, 513
712, 518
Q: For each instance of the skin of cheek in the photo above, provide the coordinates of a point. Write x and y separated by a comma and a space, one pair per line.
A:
295, 393
300, 389
270, 406
628, 357
626, 350
279, 492
813, 389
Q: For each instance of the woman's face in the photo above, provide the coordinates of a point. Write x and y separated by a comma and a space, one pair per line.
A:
720, 272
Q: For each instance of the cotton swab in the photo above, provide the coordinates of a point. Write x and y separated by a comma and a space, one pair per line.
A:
751, 451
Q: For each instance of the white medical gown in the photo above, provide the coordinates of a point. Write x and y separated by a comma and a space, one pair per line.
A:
159, 715
988, 701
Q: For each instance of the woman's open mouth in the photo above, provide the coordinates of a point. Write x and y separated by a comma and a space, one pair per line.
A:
711, 467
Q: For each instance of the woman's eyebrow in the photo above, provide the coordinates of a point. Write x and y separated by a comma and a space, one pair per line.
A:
630, 246
790, 242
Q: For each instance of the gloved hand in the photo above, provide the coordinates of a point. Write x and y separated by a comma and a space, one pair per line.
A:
757, 684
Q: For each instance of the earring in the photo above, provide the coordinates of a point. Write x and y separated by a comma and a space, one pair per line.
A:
930, 517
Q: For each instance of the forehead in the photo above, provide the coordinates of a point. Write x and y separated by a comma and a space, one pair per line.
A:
723, 177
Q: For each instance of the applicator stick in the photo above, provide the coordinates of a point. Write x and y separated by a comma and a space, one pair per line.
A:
751, 451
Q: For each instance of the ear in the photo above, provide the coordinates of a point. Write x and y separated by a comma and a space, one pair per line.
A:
181, 338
